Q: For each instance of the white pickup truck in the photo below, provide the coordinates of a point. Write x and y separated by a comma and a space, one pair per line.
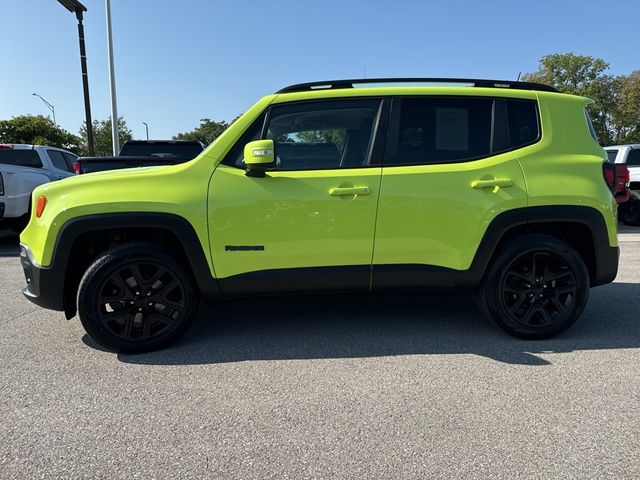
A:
22, 169
629, 212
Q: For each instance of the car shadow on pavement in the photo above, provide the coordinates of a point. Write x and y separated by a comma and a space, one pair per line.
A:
9, 246
386, 325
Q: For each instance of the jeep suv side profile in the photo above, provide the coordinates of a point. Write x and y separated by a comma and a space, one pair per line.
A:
490, 186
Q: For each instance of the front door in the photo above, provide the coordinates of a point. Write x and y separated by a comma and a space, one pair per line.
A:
308, 224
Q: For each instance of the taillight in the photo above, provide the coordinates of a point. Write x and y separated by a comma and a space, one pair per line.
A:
76, 167
624, 178
610, 175
6, 146
41, 202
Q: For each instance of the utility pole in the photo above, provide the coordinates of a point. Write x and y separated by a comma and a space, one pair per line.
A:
74, 6
115, 139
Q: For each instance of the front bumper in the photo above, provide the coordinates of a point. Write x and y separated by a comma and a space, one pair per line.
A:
45, 286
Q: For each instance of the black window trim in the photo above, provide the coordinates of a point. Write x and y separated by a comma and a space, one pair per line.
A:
376, 151
393, 132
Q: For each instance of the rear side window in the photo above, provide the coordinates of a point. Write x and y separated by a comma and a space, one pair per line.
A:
444, 130
634, 157
611, 155
21, 158
58, 160
522, 117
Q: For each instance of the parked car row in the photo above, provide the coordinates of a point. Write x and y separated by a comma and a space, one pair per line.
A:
24, 167
627, 161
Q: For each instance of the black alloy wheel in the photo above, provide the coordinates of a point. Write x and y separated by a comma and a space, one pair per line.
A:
537, 286
136, 298
140, 300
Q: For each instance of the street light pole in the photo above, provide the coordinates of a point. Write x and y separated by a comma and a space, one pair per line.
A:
112, 80
74, 6
147, 128
53, 110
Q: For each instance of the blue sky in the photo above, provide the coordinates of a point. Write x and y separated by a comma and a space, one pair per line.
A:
179, 61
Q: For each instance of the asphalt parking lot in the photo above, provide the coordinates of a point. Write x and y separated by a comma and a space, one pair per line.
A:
358, 387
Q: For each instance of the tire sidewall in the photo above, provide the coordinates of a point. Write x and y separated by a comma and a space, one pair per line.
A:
631, 218
99, 272
532, 243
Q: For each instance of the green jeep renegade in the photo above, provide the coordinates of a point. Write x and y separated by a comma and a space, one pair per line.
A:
495, 187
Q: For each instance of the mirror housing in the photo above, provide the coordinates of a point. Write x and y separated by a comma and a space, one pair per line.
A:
259, 156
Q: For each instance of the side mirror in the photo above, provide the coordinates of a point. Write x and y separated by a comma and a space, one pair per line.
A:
259, 156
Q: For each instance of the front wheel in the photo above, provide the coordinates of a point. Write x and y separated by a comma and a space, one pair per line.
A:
136, 298
536, 288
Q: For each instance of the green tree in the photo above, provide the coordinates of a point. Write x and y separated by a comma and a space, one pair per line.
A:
626, 115
102, 136
582, 75
37, 130
206, 132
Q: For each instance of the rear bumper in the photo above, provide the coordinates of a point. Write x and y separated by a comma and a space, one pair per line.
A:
45, 286
606, 264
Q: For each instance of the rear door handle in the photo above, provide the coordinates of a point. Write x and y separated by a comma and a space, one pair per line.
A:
492, 183
337, 191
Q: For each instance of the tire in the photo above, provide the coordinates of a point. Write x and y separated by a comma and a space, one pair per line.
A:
136, 298
529, 308
629, 211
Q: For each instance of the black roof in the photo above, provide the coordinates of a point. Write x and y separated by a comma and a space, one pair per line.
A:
475, 82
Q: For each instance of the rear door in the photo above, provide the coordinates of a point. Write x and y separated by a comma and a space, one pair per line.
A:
447, 174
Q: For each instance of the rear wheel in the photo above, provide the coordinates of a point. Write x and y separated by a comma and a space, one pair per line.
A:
136, 298
629, 211
536, 288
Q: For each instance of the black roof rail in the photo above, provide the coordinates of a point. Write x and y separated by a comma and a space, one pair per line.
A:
334, 84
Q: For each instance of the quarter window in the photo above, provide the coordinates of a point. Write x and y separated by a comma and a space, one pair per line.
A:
611, 155
523, 122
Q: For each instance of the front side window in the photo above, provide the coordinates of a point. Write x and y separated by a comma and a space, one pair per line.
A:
323, 135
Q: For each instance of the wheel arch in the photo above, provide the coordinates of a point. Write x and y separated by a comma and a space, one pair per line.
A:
584, 228
83, 239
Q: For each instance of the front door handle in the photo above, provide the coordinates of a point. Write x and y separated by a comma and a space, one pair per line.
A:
492, 183
337, 191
